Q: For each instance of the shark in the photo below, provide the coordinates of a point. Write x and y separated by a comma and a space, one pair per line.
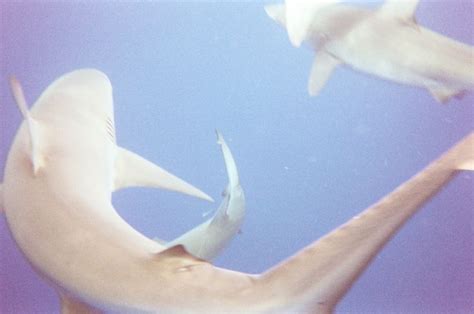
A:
207, 240
386, 42
56, 194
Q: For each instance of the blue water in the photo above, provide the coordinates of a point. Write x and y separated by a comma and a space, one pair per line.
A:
181, 70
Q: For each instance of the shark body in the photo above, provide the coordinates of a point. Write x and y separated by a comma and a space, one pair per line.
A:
208, 239
385, 42
58, 207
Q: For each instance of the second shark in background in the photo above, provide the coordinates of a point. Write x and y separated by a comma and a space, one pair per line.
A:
386, 42
208, 239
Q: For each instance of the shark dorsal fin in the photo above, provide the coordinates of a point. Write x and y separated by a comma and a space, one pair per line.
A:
33, 128
134, 170
402, 9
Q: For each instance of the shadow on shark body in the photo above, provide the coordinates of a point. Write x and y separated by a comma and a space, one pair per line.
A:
56, 195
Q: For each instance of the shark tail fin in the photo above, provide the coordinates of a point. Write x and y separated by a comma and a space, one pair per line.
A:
33, 128
299, 16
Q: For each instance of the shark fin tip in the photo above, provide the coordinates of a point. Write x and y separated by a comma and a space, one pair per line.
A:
33, 129
219, 137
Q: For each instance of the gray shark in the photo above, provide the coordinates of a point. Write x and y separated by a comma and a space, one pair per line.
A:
208, 239
56, 194
385, 42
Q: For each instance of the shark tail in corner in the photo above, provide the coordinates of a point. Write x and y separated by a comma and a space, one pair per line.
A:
320, 274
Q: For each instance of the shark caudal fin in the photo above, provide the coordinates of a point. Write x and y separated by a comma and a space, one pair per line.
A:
321, 274
134, 170
299, 17
33, 128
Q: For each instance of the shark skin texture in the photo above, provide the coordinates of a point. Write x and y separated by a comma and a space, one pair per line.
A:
60, 215
385, 42
208, 239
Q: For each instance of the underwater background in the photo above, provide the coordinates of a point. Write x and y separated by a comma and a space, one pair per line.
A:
182, 69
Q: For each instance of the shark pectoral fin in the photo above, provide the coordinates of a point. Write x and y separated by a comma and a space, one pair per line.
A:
134, 170
37, 159
277, 13
444, 94
71, 305
322, 67
404, 10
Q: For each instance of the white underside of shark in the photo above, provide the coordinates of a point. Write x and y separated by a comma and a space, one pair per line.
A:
208, 239
385, 42
56, 195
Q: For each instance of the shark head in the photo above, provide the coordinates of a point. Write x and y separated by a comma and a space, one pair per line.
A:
299, 17
79, 97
